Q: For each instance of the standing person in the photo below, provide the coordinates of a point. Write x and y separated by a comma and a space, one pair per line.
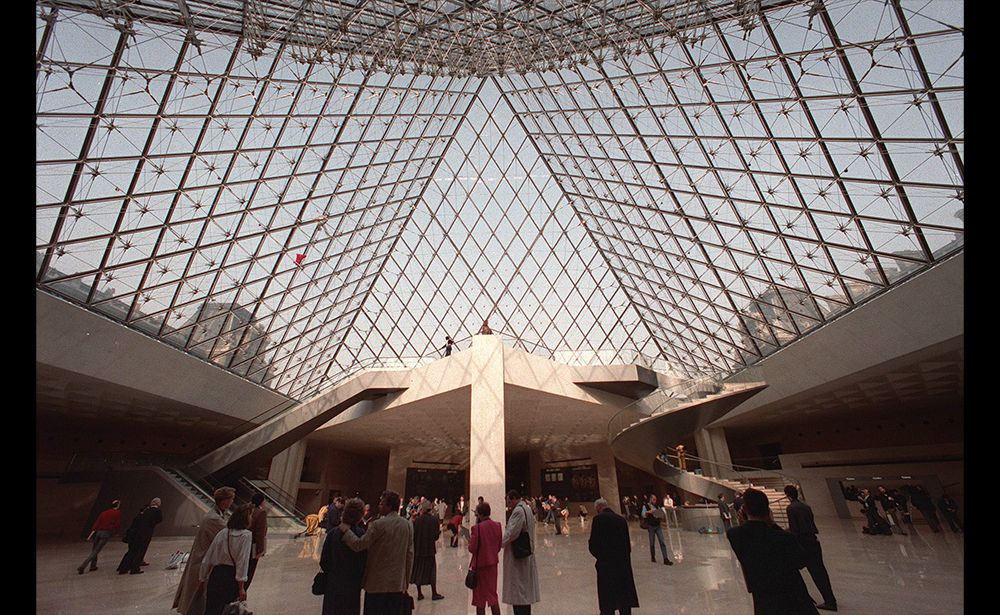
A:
226, 564
802, 525
344, 568
461, 507
484, 544
770, 558
139, 534
442, 511
583, 516
448, 343
609, 544
737, 505
725, 512
876, 524
190, 596
670, 507
107, 525
426, 531
258, 532
557, 510
333, 513
681, 457
389, 541
902, 503
653, 516
889, 508
922, 502
949, 508
520, 575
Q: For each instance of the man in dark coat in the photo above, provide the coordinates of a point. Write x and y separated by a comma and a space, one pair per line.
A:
138, 536
770, 558
426, 531
609, 543
802, 525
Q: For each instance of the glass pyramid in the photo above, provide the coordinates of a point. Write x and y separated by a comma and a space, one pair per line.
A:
296, 195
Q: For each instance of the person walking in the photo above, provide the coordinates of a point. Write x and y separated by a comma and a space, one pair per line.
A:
107, 525
426, 531
520, 574
389, 542
190, 596
609, 544
138, 535
484, 544
258, 531
344, 568
802, 525
770, 558
226, 565
654, 516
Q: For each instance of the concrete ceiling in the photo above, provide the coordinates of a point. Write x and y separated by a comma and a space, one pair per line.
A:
66, 397
534, 420
925, 381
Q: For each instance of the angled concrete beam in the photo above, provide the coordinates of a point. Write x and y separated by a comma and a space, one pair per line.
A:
277, 434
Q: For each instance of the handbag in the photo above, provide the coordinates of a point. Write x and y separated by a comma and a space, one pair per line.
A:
319, 584
236, 607
472, 577
521, 546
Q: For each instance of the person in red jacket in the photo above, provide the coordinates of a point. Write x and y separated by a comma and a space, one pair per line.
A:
108, 523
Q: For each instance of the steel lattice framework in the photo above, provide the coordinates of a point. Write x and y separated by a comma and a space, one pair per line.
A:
297, 193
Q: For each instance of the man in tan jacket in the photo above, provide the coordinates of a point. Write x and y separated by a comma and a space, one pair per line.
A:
389, 541
190, 596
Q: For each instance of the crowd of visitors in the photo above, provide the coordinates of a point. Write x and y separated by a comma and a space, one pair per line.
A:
384, 551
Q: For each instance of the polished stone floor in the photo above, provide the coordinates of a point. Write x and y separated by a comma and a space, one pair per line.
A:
918, 574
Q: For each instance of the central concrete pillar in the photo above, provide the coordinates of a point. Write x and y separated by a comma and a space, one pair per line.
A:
487, 449
487, 446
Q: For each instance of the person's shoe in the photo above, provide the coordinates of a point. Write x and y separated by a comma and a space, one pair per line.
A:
826, 607
667, 562
437, 597
420, 596
137, 572
79, 570
652, 559
93, 568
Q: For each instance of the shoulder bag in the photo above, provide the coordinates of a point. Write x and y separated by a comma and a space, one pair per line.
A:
521, 546
472, 577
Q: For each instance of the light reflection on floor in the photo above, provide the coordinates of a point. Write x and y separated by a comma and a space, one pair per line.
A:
918, 574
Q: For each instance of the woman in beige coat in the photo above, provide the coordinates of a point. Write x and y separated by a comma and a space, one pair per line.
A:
520, 576
190, 596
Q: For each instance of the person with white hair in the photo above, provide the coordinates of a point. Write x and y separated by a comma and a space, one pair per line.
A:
138, 535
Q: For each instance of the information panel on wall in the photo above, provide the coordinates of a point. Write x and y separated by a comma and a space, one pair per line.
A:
434, 483
574, 483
